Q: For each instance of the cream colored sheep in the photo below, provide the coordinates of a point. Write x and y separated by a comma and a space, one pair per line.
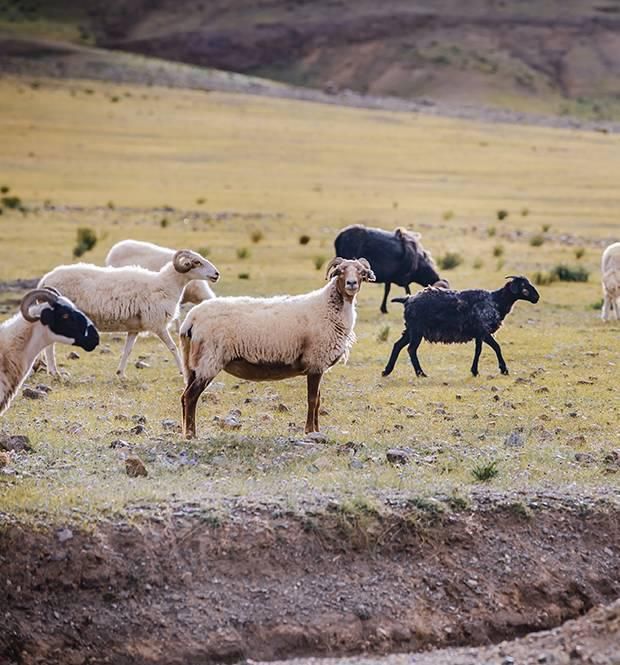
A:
267, 339
610, 271
45, 317
130, 299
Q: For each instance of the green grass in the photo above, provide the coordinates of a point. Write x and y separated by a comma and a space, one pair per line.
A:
303, 169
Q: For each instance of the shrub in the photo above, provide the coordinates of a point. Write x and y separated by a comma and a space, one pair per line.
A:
537, 240
319, 261
502, 214
383, 334
544, 278
164, 222
579, 252
498, 250
110, 205
545, 228
304, 239
244, 275
491, 230
448, 215
4, 189
598, 304
256, 236
86, 240
525, 212
243, 253
477, 264
203, 251
449, 260
114, 99
12, 202
485, 472
200, 201
569, 274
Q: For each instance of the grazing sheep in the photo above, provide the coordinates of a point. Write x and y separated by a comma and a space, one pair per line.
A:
130, 299
394, 256
442, 315
610, 271
154, 257
267, 339
44, 317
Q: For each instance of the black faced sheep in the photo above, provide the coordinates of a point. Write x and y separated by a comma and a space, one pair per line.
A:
443, 315
267, 339
44, 317
396, 256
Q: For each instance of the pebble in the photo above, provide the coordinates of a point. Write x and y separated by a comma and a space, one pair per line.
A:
16, 442
138, 429
170, 424
398, 455
134, 467
43, 387
73, 355
119, 443
33, 393
64, 534
141, 364
316, 437
515, 439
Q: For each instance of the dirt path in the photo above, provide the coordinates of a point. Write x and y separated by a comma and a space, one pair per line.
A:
184, 587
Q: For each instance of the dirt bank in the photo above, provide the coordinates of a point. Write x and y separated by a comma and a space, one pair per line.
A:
186, 587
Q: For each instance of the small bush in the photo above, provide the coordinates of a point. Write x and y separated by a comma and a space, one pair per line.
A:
525, 212
164, 222
304, 239
477, 264
485, 472
502, 214
598, 304
244, 275
448, 215
203, 251
449, 260
114, 99
86, 240
545, 228
5, 189
543, 278
200, 201
491, 231
256, 236
243, 253
319, 261
110, 205
568, 274
498, 250
579, 252
12, 202
537, 240
383, 334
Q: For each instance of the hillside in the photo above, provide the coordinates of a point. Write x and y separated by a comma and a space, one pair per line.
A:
545, 57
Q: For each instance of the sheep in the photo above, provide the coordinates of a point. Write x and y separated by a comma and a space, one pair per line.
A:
154, 257
394, 256
447, 316
130, 299
44, 317
268, 339
610, 271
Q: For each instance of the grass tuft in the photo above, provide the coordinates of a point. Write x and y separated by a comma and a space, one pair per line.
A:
449, 260
485, 472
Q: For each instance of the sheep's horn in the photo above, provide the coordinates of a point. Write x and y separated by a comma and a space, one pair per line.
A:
53, 290
35, 296
179, 264
335, 262
365, 263
511, 277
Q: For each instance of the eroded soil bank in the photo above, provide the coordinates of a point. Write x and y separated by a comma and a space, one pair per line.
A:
265, 584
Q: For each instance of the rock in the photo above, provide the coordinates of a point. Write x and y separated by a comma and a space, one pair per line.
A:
282, 408
16, 442
219, 460
119, 443
515, 439
64, 534
134, 467
105, 350
170, 424
542, 389
33, 393
356, 464
398, 455
43, 387
138, 429
73, 355
316, 437
141, 364
139, 419
5, 459
584, 458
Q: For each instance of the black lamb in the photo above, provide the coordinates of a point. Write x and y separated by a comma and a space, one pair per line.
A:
395, 256
443, 315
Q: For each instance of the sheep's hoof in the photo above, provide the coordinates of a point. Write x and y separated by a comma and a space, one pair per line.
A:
504, 370
386, 372
474, 373
421, 375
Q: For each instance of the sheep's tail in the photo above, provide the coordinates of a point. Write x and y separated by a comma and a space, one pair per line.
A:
186, 344
401, 300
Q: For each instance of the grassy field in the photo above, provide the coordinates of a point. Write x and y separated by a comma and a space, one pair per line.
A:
218, 172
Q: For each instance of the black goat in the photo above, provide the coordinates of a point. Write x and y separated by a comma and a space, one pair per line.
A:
442, 315
396, 257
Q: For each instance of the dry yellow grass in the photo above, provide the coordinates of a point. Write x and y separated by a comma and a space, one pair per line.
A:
231, 165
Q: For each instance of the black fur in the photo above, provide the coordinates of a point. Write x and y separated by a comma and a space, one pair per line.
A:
63, 318
449, 317
395, 257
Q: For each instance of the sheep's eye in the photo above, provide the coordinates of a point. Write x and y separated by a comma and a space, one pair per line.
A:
525, 292
65, 316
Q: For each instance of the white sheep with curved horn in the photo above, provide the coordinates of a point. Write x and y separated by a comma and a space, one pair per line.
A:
45, 317
130, 299
267, 339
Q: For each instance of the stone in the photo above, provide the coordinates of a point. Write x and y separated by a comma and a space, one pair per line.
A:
33, 393
316, 437
398, 455
16, 442
282, 408
138, 429
119, 443
141, 364
515, 439
134, 467
64, 534
170, 424
73, 355
43, 387
5, 459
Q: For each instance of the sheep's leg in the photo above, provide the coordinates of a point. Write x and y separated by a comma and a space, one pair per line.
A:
50, 360
607, 306
164, 335
386, 293
408, 290
498, 352
413, 354
129, 342
478, 351
314, 400
194, 388
399, 345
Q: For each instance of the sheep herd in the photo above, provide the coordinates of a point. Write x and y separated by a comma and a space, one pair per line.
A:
258, 339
